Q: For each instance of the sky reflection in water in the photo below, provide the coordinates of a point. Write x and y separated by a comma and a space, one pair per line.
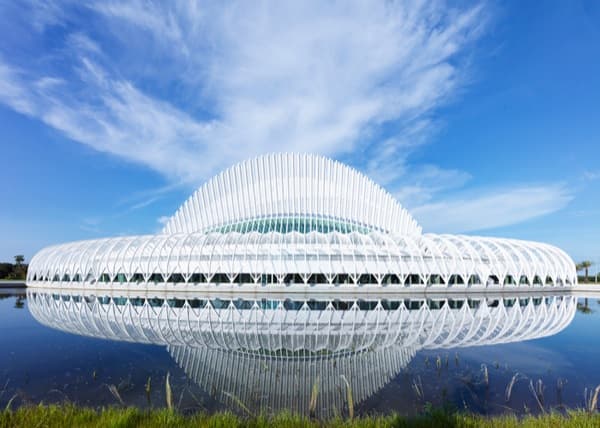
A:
259, 355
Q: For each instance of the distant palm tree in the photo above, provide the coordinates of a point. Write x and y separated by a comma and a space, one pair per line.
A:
19, 259
585, 266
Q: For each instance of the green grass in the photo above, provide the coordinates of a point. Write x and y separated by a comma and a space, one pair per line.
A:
70, 415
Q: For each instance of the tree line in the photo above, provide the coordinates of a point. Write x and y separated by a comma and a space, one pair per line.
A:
16, 270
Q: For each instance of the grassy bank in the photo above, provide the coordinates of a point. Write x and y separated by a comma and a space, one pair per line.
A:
68, 415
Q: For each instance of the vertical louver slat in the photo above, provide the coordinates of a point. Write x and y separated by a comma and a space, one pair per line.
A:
287, 185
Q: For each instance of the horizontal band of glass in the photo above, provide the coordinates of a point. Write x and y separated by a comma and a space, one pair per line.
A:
312, 304
298, 278
292, 224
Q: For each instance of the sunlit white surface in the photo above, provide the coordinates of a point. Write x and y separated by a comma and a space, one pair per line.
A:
297, 222
269, 354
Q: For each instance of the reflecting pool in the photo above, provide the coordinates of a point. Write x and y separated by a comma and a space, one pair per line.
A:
323, 356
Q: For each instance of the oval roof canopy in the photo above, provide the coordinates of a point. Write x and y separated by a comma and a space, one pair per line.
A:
288, 190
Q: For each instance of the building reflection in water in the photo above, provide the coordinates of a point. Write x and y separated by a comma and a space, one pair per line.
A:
268, 354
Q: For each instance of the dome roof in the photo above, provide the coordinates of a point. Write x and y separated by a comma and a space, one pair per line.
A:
289, 189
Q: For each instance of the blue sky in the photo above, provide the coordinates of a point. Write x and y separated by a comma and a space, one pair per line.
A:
481, 118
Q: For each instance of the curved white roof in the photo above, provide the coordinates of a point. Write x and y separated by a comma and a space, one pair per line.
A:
289, 185
328, 256
297, 221
258, 324
234, 347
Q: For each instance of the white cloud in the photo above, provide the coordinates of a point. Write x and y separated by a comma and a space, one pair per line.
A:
120, 120
162, 221
79, 42
251, 77
44, 13
91, 224
427, 182
299, 76
13, 91
494, 209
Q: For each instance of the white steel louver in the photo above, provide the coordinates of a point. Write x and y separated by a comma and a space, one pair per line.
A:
298, 221
266, 187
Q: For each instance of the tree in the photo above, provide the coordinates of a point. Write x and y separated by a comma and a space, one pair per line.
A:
18, 270
20, 302
585, 266
5, 270
584, 308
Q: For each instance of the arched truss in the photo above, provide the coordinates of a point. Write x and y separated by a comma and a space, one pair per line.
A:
280, 188
311, 328
234, 348
278, 259
228, 374
300, 220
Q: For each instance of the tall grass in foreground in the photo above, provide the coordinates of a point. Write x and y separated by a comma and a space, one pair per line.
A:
168, 392
69, 415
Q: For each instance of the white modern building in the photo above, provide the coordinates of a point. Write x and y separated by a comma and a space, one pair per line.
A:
305, 327
297, 222
269, 353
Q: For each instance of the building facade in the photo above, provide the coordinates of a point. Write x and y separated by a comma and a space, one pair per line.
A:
297, 222
269, 353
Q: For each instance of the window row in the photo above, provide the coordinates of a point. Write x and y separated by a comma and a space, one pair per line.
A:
292, 224
315, 278
312, 304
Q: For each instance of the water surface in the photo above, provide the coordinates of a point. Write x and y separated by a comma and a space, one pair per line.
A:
266, 354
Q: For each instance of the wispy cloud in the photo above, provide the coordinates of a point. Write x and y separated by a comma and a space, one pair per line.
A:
299, 76
188, 88
492, 209
91, 224
591, 175
427, 182
80, 42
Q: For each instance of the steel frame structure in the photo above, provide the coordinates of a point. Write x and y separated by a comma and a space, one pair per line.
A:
269, 355
296, 222
259, 325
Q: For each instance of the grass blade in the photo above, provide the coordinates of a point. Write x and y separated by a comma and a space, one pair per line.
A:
148, 389
4, 388
349, 397
536, 392
417, 386
486, 377
168, 392
238, 402
592, 401
115, 392
510, 386
312, 406
9, 404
